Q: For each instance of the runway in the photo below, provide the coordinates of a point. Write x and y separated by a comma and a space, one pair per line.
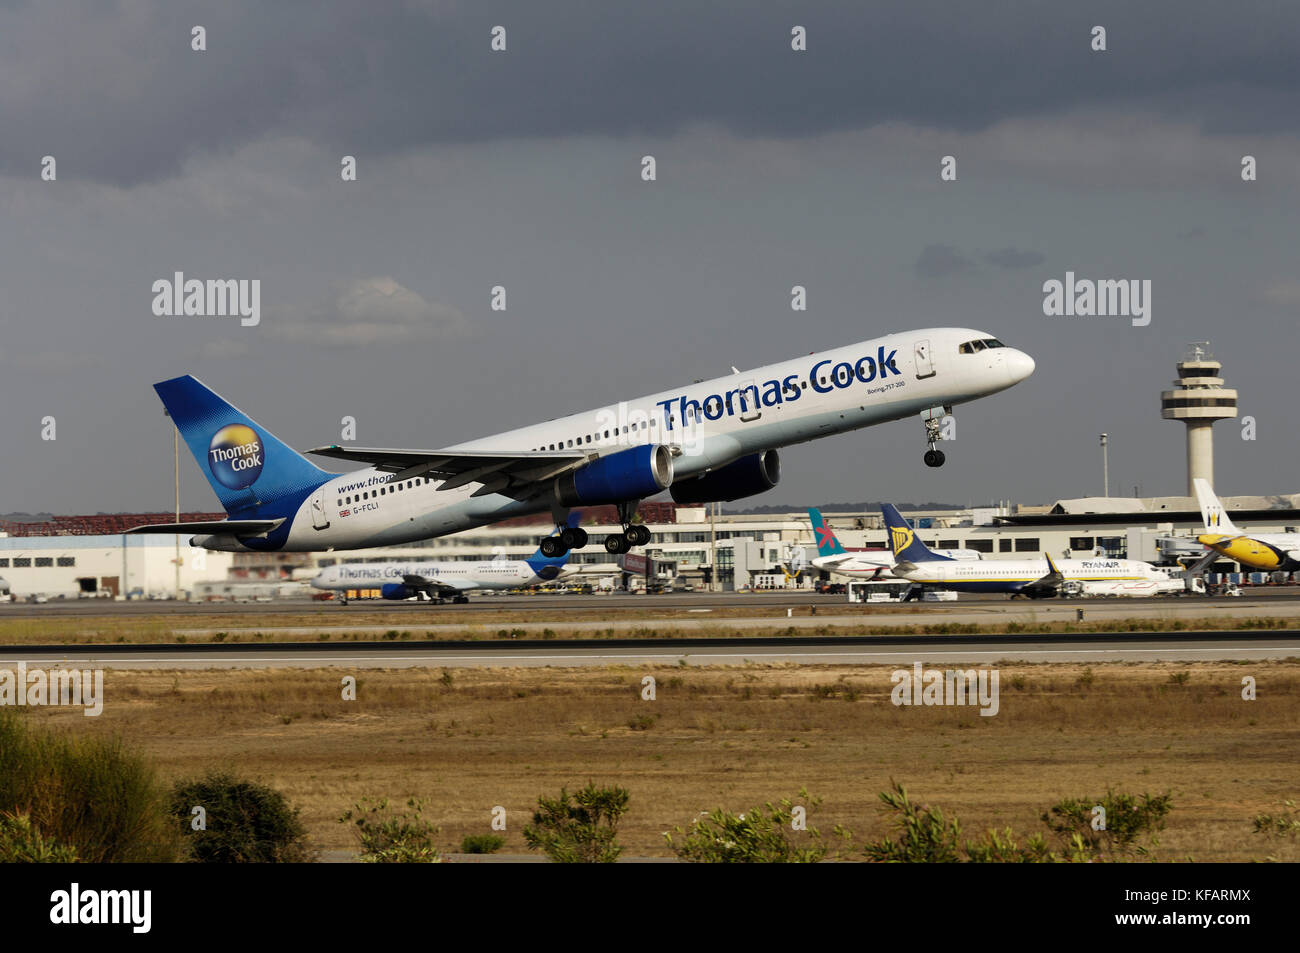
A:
1273, 598
869, 650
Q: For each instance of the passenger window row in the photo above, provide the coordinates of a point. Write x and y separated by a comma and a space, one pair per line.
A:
587, 438
384, 490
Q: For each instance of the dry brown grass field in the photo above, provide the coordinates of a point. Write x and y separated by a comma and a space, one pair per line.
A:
469, 739
228, 628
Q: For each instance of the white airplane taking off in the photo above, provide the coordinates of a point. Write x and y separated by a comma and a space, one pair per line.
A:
1270, 552
715, 440
870, 564
1035, 578
439, 581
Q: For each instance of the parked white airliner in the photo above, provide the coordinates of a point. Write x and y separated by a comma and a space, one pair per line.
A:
441, 580
715, 440
1035, 578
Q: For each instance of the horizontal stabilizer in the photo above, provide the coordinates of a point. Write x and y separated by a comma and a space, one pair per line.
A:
211, 528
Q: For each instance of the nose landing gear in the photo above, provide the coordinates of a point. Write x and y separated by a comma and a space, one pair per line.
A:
933, 420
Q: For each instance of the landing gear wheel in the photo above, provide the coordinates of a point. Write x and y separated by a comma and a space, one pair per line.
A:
553, 546
638, 535
569, 537
933, 420
616, 544
461, 600
579, 538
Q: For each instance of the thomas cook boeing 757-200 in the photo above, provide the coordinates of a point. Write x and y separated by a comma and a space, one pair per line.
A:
715, 440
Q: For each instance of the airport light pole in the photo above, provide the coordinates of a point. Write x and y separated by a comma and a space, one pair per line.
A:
713, 548
1105, 467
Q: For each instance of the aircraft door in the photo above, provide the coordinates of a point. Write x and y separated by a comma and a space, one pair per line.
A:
749, 399
318, 517
924, 360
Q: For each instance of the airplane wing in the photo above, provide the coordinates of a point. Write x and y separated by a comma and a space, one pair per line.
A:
212, 527
431, 586
1049, 582
514, 474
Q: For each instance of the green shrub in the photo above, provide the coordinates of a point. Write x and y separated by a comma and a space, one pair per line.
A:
389, 837
579, 828
763, 835
482, 843
1129, 819
1286, 824
246, 822
22, 843
86, 792
924, 836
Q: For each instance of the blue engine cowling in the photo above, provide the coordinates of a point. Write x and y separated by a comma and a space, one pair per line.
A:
395, 590
740, 478
626, 475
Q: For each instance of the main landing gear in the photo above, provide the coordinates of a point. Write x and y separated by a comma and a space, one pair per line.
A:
933, 420
634, 534
575, 537
569, 537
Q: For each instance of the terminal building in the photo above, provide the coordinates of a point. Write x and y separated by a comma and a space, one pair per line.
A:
688, 545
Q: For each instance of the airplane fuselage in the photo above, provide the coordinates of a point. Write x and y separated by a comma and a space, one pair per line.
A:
493, 574
1011, 575
707, 425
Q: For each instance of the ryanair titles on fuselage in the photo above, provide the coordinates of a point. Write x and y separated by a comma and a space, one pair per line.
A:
770, 393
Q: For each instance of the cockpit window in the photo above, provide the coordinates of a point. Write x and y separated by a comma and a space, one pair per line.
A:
993, 342
971, 347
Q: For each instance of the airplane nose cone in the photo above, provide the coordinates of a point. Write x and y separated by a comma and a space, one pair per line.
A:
1019, 365
318, 581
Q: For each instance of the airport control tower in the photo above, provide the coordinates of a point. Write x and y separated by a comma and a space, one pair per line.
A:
1198, 399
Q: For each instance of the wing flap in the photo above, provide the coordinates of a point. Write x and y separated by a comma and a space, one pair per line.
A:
211, 527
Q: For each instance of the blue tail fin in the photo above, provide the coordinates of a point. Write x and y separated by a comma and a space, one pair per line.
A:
902, 538
827, 544
540, 562
245, 464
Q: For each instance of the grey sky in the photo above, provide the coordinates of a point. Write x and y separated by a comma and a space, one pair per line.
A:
522, 169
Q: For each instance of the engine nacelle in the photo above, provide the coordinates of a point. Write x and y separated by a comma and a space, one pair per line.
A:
626, 475
395, 590
747, 476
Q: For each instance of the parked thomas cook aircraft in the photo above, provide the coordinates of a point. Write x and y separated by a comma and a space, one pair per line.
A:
715, 440
1266, 551
1035, 578
438, 581
860, 563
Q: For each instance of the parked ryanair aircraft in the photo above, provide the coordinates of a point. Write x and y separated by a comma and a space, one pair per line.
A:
439, 581
1266, 551
715, 440
1035, 578
860, 563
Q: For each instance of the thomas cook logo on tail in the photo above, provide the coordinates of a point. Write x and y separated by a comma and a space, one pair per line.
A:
900, 538
236, 456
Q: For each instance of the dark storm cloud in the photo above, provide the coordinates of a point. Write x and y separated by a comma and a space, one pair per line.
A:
117, 95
